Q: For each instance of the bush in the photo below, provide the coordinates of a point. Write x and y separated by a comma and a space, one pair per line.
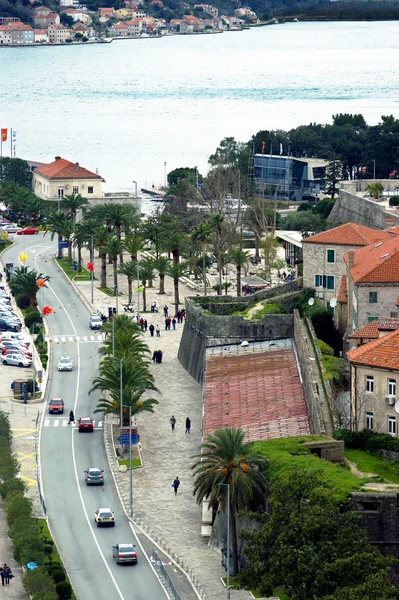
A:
367, 440
31, 317
325, 348
48, 550
40, 584
394, 201
22, 300
64, 590
58, 575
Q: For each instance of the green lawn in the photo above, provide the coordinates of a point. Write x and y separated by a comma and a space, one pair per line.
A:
287, 454
374, 463
85, 275
136, 462
108, 291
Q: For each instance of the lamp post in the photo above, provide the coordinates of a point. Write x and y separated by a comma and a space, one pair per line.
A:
130, 461
165, 181
138, 288
135, 189
92, 272
373, 168
228, 538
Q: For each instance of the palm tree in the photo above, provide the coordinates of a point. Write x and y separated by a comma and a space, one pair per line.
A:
130, 270
89, 228
133, 244
146, 273
73, 202
128, 339
201, 235
24, 281
239, 257
216, 222
226, 459
33, 207
176, 271
117, 216
113, 248
56, 225
175, 242
161, 264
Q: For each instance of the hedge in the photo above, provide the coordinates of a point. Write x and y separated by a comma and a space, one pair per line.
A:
367, 440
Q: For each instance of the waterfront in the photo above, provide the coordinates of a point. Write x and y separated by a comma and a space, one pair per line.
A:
128, 108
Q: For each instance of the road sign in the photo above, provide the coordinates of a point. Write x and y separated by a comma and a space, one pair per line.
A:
75, 265
63, 244
124, 437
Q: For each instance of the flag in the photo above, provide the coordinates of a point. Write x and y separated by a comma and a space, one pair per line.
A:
4, 135
263, 147
14, 136
281, 149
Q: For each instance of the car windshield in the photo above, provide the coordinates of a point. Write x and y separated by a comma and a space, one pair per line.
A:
57, 402
126, 548
105, 515
94, 472
96, 319
85, 420
65, 360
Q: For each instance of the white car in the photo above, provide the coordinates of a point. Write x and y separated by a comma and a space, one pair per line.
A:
65, 363
18, 337
10, 228
17, 360
104, 516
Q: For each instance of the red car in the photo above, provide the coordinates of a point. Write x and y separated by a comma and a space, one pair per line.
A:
56, 405
85, 424
28, 231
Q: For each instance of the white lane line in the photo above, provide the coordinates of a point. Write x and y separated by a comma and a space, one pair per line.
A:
77, 338
92, 338
46, 422
55, 340
56, 422
70, 339
65, 422
62, 339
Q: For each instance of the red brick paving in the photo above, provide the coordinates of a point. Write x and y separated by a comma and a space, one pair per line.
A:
256, 390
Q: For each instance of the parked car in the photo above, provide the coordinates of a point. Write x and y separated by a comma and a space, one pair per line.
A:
8, 325
94, 476
104, 516
19, 337
28, 231
56, 405
124, 553
65, 363
17, 360
12, 317
95, 321
10, 228
85, 424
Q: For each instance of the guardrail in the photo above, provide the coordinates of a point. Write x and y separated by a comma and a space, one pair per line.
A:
160, 568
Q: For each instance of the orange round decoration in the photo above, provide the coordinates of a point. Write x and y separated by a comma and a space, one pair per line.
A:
40, 283
47, 310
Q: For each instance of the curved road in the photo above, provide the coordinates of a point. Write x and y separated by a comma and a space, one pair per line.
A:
65, 453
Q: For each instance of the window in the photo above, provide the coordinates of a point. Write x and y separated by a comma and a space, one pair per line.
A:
330, 282
371, 319
318, 280
391, 387
89, 190
369, 420
373, 297
331, 256
75, 189
60, 192
392, 426
370, 384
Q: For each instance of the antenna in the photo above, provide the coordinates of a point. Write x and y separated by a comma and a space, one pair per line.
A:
396, 407
311, 301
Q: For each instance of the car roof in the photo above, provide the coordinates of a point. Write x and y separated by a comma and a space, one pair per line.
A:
104, 510
65, 358
94, 469
52, 399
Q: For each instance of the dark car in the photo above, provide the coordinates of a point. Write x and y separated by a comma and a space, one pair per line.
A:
28, 231
94, 476
124, 553
85, 424
56, 405
7, 325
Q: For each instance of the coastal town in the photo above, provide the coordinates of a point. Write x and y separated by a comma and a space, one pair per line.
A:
74, 23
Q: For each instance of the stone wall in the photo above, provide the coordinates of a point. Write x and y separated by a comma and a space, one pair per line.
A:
387, 296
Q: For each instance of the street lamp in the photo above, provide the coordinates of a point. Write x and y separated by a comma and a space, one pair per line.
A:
135, 192
92, 272
373, 168
228, 538
130, 461
165, 181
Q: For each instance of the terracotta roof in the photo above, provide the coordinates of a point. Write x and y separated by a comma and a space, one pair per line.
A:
382, 353
64, 169
376, 263
369, 331
342, 293
350, 234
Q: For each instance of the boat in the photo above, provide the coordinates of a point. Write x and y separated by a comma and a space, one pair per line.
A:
157, 198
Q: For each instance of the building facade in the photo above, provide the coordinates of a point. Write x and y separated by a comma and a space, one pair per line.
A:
62, 178
16, 33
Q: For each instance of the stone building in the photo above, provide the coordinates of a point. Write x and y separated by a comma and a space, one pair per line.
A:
63, 178
374, 377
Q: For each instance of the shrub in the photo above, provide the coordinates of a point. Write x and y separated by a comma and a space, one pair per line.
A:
367, 440
325, 348
64, 590
394, 201
48, 550
58, 575
22, 300
40, 584
31, 317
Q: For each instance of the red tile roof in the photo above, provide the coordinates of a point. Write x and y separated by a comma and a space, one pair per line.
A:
343, 292
371, 330
64, 169
349, 234
382, 353
258, 391
377, 263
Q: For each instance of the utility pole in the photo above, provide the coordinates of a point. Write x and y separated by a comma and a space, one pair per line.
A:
138, 287
130, 461
121, 388
92, 272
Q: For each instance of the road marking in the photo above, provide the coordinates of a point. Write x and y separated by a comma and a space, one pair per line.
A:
92, 338
70, 339
64, 423
56, 422
62, 339
46, 422
85, 338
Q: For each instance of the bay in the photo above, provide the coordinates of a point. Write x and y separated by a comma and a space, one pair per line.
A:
128, 107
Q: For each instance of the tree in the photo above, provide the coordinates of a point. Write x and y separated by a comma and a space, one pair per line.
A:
226, 459
118, 216
133, 244
73, 202
334, 174
161, 264
201, 235
375, 189
129, 269
88, 227
15, 171
309, 543
24, 281
215, 222
239, 257
113, 248
175, 242
176, 271
188, 174
146, 273
101, 242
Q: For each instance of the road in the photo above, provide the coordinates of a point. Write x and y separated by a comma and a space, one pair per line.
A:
65, 453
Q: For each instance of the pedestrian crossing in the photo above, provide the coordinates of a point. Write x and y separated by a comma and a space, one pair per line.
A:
68, 339
54, 422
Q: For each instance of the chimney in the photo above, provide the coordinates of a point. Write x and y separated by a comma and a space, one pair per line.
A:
58, 158
76, 166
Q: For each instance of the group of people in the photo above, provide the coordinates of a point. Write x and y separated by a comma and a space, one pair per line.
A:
157, 356
154, 308
172, 421
180, 315
6, 574
168, 321
143, 324
151, 329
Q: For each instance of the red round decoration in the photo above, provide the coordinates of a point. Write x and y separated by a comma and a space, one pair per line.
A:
47, 310
40, 283
90, 267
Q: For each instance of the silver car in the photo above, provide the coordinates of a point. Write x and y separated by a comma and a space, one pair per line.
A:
124, 553
65, 363
17, 360
94, 476
95, 321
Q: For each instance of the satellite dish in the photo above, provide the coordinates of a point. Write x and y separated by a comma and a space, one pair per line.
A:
311, 301
244, 343
396, 406
333, 302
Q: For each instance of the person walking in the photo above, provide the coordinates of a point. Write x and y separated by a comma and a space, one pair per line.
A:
158, 331
174, 323
159, 356
166, 324
145, 324
173, 422
2, 574
151, 328
175, 484
71, 418
7, 574
188, 425
165, 310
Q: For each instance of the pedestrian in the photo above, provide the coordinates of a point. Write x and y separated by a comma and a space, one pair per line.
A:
154, 356
176, 484
178, 316
158, 331
2, 574
174, 323
71, 418
7, 574
138, 317
169, 320
188, 425
166, 324
151, 328
173, 422
159, 356
165, 310
142, 324
152, 307
145, 324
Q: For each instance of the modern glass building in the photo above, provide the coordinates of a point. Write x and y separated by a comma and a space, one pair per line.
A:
288, 178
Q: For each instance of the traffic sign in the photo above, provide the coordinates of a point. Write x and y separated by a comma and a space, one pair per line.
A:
75, 265
63, 244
